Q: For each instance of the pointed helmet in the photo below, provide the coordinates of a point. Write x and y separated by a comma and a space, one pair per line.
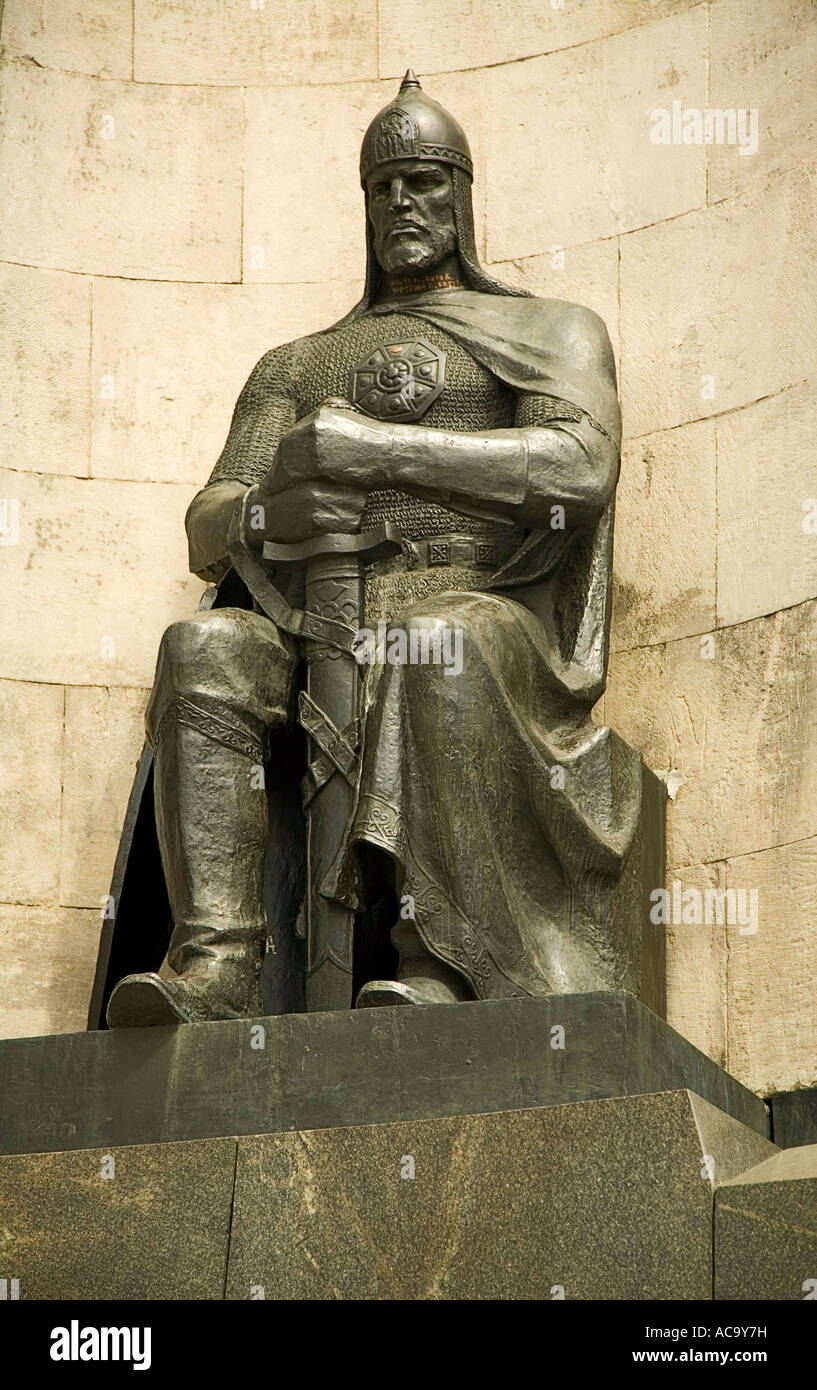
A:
413, 126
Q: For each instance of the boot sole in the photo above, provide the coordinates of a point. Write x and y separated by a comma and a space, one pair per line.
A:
143, 1004
386, 993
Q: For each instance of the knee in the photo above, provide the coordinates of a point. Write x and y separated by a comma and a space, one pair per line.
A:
205, 637
444, 620
195, 657
435, 638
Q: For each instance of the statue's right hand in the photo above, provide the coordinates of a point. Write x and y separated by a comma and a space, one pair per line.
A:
312, 508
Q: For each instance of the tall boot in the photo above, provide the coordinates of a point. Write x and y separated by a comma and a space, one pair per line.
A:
421, 977
212, 825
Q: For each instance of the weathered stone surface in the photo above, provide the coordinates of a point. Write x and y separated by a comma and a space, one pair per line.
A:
234, 41
717, 337
766, 1230
92, 36
697, 959
79, 147
771, 974
664, 562
767, 505
170, 360
763, 57
158, 1228
99, 570
461, 33
303, 153
317, 1071
504, 1206
44, 355
580, 274
104, 733
47, 958
569, 152
31, 718
739, 728
794, 1115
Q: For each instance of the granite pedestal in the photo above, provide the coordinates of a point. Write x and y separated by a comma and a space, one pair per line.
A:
568, 1147
766, 1230
372, 1066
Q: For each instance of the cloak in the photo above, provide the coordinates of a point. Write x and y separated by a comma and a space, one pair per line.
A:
552, 348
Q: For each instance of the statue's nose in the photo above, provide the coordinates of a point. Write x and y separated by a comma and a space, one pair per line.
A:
399, 196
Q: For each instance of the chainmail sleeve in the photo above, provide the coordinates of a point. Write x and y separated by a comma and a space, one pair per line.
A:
532, 410
264, 411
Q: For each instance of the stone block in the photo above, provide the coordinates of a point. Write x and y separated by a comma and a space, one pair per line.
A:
144, 180
353, 1067
736, 718
772, 1003
763, 57
104, 734
569, 152
47, 958
44, 358
609, 1199
147, 1222
766, 1230
794, 1117
91, 36
304, 217
99, 570
475, 33
170, 360
579, 274
664, 561
697, 960
767, 505
236, 42
715, 337
31, 717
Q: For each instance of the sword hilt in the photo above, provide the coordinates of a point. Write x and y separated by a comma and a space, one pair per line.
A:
367, 546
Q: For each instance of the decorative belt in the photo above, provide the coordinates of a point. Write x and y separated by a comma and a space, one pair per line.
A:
468, 551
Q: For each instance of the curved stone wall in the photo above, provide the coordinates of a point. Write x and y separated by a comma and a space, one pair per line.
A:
178, 192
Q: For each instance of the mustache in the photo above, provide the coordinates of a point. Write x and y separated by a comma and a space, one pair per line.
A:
400, 224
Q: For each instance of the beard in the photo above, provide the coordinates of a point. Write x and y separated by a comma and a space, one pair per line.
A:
418, 251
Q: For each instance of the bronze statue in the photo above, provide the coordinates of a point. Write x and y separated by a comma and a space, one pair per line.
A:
457, 442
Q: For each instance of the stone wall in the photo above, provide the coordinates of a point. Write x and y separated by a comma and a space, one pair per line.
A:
179, 192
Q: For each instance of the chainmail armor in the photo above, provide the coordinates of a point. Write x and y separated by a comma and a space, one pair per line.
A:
292, 381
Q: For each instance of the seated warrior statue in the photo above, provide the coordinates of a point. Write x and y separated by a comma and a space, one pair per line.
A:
483, 422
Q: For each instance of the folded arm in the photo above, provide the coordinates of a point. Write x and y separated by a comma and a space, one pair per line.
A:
520, 473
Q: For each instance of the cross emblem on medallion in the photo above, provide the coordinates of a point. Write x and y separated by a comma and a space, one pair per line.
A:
398, 381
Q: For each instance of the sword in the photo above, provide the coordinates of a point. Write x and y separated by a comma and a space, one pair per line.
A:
328, 711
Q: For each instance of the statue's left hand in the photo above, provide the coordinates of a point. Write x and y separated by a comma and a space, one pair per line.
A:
333, 443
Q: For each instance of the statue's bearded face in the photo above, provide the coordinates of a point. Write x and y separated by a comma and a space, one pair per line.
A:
411, 209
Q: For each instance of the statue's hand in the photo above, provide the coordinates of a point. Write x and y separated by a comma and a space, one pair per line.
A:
333, 443
308, 509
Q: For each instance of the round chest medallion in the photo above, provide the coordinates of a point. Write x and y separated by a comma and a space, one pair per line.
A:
398, 381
